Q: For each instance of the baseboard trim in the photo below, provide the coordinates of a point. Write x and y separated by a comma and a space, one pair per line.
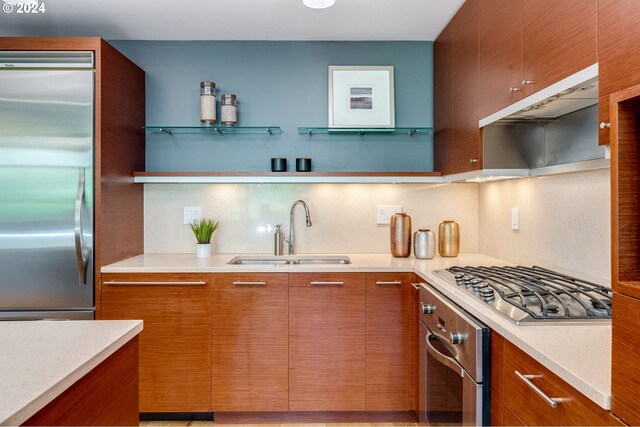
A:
316, 417
176, 416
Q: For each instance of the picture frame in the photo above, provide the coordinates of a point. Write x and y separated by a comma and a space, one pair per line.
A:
361, 96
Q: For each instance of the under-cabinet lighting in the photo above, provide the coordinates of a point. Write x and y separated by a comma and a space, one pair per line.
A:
318, 4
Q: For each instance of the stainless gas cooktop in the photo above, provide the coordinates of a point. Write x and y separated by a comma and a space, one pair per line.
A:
532, 295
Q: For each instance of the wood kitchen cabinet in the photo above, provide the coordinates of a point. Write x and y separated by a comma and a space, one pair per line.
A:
327, 342
175, 344
457, 139
618, 53
513, 402
390, 342
250, 342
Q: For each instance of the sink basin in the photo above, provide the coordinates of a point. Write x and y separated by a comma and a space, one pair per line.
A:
293, 260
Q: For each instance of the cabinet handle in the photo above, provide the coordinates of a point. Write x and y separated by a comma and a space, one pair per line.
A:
326, 283
604, 125
552, 401
416, 286
515, 89
258, 283
528, 82
395, 282
115, 282
473, 160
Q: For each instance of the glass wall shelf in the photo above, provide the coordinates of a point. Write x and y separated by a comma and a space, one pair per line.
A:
216, 130
366, 131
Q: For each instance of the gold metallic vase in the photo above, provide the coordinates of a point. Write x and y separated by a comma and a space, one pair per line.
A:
400, 235
449, 239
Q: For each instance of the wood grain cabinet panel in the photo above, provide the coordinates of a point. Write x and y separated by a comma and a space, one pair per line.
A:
390, 324
443, 101
326, 342
175, 344
532, 409
625, 382
500, 54
106, 396
498, 416
560, 38
250, 342
618, 53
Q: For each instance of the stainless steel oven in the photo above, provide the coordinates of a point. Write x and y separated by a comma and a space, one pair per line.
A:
454, 364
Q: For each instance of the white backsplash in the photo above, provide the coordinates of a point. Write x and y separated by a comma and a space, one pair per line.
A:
343, 215
564, 222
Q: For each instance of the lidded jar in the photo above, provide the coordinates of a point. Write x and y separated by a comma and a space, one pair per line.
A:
207, 103
400, 235
449, 239
228, 110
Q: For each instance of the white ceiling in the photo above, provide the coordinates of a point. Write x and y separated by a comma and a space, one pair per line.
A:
233, 19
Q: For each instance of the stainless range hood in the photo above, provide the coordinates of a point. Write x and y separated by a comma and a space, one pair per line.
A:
552, 131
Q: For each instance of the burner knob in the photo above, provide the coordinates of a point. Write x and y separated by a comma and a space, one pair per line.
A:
428, 308
483, 284
487, 294
458, 337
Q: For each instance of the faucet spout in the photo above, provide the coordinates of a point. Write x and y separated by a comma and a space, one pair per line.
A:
291, 241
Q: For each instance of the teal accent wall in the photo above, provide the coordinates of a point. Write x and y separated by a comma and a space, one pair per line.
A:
279, 83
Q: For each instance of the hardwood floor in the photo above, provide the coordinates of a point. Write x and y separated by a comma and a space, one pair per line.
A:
211, 423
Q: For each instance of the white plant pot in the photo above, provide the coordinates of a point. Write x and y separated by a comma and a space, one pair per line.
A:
203, 250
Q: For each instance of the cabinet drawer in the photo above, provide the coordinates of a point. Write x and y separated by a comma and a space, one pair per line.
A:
531, 407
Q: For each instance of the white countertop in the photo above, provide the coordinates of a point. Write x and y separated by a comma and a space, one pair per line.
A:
40, 360
580, 355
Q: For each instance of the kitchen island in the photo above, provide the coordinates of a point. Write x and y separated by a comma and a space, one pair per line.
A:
570, 351
69, 372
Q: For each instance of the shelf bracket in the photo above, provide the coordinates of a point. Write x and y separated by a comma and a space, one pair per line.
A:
310, 132
169, 131
412, 131
219, 131
361, 132
269, 130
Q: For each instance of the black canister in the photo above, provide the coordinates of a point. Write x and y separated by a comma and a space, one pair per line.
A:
278, 164
303, 164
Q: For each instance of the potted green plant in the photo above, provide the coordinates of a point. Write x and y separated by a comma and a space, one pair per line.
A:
203, 229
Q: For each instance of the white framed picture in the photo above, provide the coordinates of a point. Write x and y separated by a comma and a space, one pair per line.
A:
361, 96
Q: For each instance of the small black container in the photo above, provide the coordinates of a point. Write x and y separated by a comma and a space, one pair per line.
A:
278, 164
303, 164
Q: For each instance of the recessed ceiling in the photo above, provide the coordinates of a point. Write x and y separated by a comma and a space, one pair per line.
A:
232, 19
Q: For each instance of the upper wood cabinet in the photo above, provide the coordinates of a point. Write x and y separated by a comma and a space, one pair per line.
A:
175, 344
390, 354
618, 53
326, 342
250, 342
457, 137
527, 45
559, 38
499, 54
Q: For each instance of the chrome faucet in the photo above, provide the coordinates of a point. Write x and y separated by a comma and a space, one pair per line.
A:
291, 241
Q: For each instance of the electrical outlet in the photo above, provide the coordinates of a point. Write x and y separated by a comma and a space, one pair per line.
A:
385, 212
515, 218
192, 214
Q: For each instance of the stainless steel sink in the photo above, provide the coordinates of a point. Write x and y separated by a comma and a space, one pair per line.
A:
295, 260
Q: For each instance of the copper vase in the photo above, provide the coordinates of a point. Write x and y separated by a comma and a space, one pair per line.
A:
400, 235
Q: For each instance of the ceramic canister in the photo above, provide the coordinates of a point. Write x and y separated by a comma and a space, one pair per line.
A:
424, 244
400, 235
449, 239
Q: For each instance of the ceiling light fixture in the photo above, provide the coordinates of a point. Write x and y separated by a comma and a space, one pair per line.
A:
318, 4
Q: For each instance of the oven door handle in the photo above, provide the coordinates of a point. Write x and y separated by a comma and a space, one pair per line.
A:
447, 361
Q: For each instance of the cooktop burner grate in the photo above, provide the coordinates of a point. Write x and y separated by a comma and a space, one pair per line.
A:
541, 293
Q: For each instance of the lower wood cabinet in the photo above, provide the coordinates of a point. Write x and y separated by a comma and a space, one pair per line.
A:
106, 396
326, 342
625, 382
523, 406
175, 344
390, 355
250, 342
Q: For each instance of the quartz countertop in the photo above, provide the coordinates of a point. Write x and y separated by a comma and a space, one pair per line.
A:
579, 354
40, 360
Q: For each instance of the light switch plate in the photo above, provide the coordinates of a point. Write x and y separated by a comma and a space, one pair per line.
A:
515, 218
192, 214
385, 212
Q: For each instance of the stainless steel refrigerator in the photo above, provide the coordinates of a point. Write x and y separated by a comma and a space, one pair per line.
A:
46, 185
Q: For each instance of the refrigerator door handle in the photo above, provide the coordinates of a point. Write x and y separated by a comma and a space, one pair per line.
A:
80, 255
